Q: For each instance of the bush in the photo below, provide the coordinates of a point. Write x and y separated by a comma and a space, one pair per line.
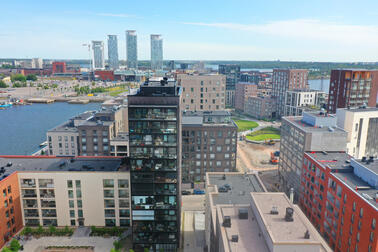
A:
15, 245
50, 231
107, 231
117, 245
18, 77
3, 84
31, 77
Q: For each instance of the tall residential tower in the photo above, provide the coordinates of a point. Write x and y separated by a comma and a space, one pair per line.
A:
113, 52
98, 54
131, 49
156, 52
155, 156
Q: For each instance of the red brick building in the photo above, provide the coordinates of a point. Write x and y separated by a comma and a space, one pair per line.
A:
59, 67
352, 88
243, 90
10, 208
105, 75
339, 196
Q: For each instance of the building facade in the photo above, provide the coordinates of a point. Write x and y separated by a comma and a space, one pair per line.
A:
299, 100
209, 144
131, 49
232, 73
310, 132
59, 67
260, 107
340, 197
284, 80
10, 207
352, 88
243, 90
113, 52
37, 63
155, 156
156, 52
98, 58
362, 127
202, 92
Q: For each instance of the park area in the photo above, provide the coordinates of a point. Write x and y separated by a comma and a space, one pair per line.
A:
264, 134
244, 125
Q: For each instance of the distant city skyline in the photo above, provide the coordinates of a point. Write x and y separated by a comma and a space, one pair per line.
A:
222, 30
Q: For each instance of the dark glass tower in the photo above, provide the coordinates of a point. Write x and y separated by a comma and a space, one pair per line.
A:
155, 156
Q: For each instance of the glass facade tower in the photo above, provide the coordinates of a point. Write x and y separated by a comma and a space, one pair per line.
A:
131, 49
113, 52
156, 52
155, 156
98, 54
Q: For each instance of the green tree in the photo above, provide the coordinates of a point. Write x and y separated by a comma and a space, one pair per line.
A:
117, 245
3, 84
52, 229
18, 77
6, 249
15, 245
31, 77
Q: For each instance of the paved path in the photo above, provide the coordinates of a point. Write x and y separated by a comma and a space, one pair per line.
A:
100, 244
193, 240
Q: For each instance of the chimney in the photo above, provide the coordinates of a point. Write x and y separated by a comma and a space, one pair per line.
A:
289, 214
292, 195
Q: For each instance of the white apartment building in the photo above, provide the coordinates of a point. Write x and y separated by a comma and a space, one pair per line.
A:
362, 127
299, 100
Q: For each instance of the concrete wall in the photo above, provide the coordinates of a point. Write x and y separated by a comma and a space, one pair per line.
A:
69, 147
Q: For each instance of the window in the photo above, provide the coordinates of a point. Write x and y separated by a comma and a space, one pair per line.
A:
109, 193
361, 212
123, 183
79, 203
9, 189
69, 183
354, 206
109, 213
108, 183
70, 194
373, 222
110, 222
78, 193
72, 213
78, 183
80, 213
71, 203
73, 223
109, 203
123, 194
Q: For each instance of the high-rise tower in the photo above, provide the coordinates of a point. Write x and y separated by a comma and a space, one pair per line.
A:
156, 52
113, 52
98, 54
131, 49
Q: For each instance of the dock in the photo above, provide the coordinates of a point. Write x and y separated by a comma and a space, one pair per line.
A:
78, 101
40, 100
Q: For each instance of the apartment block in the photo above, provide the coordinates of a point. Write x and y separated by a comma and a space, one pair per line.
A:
155, 156
284, 80
243, 90
204, 92
10, 207
352, 88
58, 191
310, 132
232, 73
239, 185
260, 107
340, 197
362, 127
266, 222
299, 100
209, 144
96, 132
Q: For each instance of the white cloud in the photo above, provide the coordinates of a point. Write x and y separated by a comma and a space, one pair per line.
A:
308, 29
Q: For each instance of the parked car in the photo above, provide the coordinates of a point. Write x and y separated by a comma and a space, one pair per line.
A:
198, 191
184, 192
227, 186
222, 189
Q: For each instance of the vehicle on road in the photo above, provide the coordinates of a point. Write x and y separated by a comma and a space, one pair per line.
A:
185, 192
222, 189
198, 191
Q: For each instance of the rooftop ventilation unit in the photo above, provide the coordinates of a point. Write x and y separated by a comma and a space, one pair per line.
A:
363, 159
243, 213
289, 214
235, 238
274, 210
226, 221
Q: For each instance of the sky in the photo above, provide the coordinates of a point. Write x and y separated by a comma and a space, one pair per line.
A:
286, 30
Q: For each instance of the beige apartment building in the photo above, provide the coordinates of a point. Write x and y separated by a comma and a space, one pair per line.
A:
203, 92
361, 124
73, 192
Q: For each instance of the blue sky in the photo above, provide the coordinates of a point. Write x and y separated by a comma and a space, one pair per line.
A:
322, 30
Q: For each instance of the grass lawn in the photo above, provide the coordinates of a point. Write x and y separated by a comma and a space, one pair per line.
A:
264, 134
244, 125
116, 91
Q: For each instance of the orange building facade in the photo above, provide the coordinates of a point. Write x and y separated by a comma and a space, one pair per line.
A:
10, 208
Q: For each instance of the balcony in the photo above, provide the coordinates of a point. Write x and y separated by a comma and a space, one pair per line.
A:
44, 193
29, 193
48, 204
48, 213
28, 183
164, 205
